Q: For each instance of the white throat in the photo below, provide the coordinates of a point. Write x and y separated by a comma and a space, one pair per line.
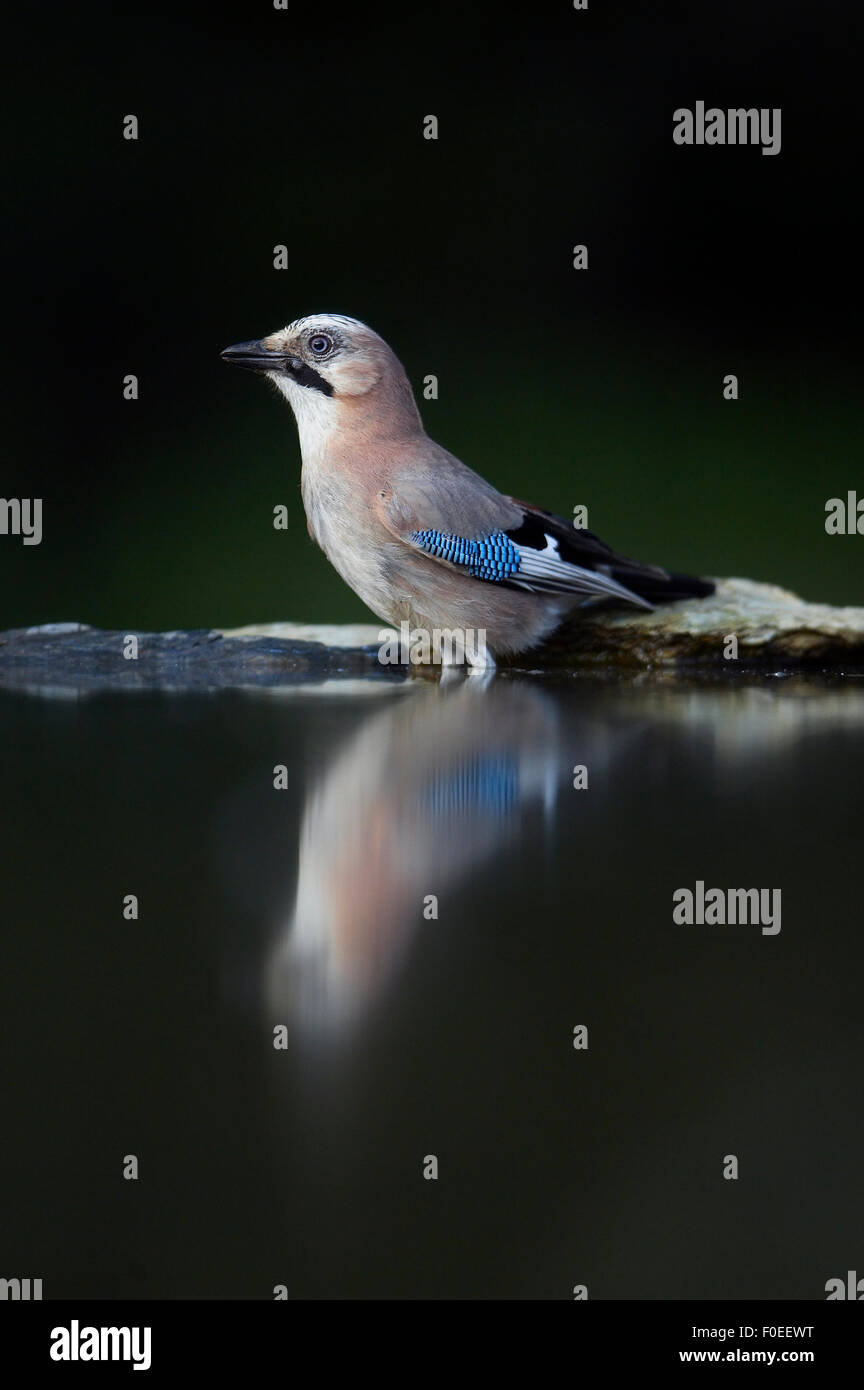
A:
314, 412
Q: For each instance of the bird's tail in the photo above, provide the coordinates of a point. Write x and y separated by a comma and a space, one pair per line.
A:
577, 546
661, 587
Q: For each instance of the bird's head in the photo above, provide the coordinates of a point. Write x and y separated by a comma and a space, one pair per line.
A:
333, 370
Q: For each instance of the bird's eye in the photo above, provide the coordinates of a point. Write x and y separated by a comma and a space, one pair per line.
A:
319, 343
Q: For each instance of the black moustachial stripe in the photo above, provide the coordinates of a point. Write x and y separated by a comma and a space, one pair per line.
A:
307, 376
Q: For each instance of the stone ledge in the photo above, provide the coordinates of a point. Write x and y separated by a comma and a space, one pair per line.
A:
773, 627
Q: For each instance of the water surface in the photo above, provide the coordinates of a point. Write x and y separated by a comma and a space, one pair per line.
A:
409, 1034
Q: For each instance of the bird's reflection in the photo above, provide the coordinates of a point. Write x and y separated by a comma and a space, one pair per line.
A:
430, 786
444, 779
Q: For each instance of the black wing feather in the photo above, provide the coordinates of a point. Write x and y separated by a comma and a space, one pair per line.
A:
584, 548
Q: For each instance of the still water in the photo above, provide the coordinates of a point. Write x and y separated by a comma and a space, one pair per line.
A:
425, 913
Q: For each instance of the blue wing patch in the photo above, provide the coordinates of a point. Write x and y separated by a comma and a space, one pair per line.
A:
494, 558
485, 785
539, 569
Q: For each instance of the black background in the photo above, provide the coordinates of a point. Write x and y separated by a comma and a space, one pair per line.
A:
260, 127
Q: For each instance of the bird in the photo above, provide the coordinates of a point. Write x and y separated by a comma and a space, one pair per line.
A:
416, 533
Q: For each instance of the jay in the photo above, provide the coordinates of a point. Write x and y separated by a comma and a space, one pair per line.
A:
417, 534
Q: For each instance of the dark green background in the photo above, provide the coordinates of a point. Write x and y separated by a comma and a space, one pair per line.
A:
605, 388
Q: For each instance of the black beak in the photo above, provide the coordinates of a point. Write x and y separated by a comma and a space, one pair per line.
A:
257, 358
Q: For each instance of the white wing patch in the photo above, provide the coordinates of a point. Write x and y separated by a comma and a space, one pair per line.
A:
544, 571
